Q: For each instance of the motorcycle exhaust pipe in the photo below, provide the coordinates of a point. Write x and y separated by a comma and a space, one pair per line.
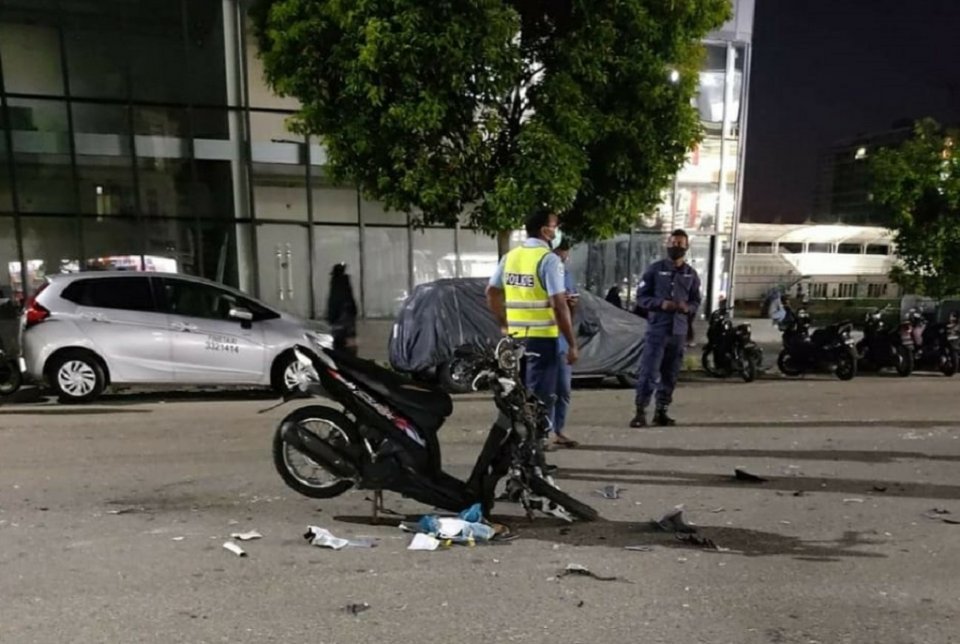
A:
318, 450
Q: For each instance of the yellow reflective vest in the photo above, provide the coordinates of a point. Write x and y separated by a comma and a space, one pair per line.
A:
529, 312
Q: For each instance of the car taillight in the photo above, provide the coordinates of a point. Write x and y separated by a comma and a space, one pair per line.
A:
33, 312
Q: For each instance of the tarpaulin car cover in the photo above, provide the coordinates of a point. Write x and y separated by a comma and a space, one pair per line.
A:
443, 315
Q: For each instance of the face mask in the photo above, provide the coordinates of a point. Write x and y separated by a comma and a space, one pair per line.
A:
556, 240
675, 252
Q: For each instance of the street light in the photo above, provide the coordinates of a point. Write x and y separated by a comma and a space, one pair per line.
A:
674, 76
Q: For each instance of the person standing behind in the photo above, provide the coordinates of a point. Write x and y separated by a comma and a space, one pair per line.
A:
342, 310
670, 292
613, 296
565, 375
527, 296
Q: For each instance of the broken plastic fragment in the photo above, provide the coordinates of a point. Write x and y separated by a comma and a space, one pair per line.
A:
582, 571
235, 549
246, 536
674, 521
323, 538
423, 541
611, 492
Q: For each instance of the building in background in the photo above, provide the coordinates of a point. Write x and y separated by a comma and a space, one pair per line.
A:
833, 261
843, 182
141, 135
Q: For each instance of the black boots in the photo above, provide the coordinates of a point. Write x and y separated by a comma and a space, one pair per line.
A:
640, 420
660, 418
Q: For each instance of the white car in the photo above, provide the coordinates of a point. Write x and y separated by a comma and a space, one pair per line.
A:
83, 332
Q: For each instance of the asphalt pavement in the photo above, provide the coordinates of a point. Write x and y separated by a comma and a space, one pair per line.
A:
113, 516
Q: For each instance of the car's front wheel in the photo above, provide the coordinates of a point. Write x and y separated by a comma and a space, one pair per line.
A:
77, 377
288, 374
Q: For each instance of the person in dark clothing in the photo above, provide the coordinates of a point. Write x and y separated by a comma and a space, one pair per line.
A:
670, 292
613, 296
342, 310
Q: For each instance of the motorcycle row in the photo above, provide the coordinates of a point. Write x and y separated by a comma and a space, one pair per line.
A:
914, 344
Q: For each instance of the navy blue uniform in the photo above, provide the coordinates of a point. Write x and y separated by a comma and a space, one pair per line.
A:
663, 346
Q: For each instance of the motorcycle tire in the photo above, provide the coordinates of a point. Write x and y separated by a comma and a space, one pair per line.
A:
709, 363
904, 361
846, 368
750, 367
948, 361
580, 510
294, 481
456, 375
785, 365
10, 378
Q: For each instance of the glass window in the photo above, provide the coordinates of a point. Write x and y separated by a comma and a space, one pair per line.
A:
332, 245
206, 52
478, 254
434, 255
126, 293
271, 141
385, 270
260, 94
171, 246
41, 152
97, 55
112, 243
213, 190
374, 213
31, 58
335, 204
104, 162
156, 54
50, 246
163, 152
226, 253
280, 191
193, 299
11, 291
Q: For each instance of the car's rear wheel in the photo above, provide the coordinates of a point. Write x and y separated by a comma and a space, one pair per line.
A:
77, 377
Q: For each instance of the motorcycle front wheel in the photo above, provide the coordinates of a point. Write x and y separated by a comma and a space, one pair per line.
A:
787, 365
709, 362
904, 361
580, 510
304, 473
948, 361
750, 364
846, 364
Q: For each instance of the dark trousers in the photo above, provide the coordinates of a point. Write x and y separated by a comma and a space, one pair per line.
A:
542, 371
660, 365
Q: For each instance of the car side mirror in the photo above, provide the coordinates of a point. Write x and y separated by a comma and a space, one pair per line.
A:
243, 315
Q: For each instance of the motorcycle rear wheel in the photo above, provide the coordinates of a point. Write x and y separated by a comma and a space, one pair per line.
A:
846, 365
709, 362
580, 510
786, 365
749, 367
342, 432
904, 361
948, 361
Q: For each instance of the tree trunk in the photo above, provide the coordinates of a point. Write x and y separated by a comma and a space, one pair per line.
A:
503, 243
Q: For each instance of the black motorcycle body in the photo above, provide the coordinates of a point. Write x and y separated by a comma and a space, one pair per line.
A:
882, 347
730, 349
386, 438
829, 349
935, 344
10, 376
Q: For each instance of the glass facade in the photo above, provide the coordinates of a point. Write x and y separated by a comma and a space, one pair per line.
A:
141, 136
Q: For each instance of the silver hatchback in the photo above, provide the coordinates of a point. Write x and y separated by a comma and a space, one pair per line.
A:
83, 332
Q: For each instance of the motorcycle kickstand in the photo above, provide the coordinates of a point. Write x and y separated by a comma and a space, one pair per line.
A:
377, 506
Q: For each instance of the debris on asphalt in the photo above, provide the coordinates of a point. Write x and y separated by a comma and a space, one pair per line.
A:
939, 514
741, 474
422, 541
178, 539
853, 500
246, 536
468, 528
323, 538
639, 548
235, 549
698, 541
718, 510
674, 521
611, 492
879, 488
940, 511
578, 570
356, 609
799, 493
123, 511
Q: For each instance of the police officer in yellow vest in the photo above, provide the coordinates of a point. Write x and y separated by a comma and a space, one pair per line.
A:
528, 298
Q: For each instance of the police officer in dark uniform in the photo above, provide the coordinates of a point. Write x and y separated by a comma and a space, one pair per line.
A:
670, 293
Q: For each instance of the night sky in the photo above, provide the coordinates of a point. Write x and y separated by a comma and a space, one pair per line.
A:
827, 70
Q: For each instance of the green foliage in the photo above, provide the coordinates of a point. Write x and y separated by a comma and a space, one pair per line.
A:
489, 107
919, 182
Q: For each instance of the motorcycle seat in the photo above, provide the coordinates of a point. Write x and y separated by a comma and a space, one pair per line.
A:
426, 406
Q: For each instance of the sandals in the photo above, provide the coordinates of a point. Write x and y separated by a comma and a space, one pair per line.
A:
562, 441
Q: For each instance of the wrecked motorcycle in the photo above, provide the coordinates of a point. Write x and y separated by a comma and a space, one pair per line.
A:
386, 436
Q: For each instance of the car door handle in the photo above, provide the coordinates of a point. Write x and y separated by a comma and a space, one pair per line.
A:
183, 326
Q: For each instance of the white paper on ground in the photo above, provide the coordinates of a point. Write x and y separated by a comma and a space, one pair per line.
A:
235, 549
423, 542
451, 527
323, 538
246, 536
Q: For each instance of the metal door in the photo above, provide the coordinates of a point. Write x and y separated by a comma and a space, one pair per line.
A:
283, 253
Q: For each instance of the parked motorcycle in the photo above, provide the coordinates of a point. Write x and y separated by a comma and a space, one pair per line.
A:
730, 348
827, 349
882, 347
386, 437
10, 376
935, 344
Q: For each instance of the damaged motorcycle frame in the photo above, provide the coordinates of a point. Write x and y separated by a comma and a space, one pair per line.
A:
385, 437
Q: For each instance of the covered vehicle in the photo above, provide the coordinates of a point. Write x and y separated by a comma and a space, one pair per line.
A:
442, 316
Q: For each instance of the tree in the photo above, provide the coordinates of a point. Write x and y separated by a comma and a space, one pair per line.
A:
919, 183
491, 107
